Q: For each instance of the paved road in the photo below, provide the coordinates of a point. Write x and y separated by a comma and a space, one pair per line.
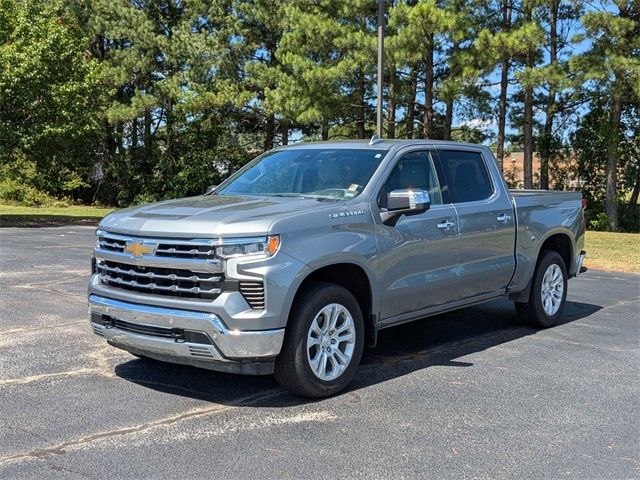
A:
468, 394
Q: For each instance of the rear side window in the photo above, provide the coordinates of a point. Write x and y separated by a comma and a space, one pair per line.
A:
466, 174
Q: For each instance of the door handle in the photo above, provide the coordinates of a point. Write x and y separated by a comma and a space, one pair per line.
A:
446, 225
504, 217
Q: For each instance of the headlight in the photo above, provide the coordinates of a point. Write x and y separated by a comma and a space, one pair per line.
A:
265, 247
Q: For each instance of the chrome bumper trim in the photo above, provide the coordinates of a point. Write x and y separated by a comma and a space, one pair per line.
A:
229, 344
194, 265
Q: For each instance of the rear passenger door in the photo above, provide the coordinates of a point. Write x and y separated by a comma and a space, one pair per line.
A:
486, 226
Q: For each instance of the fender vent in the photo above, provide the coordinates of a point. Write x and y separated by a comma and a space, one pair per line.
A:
253, 293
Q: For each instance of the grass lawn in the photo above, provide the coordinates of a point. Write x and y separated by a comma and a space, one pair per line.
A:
16, 216
619, 252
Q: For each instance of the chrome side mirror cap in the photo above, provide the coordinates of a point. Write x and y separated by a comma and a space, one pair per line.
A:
405, 202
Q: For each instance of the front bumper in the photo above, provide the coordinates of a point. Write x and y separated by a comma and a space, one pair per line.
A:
183, 336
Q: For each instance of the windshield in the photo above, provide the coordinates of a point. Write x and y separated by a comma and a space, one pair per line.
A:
329, 173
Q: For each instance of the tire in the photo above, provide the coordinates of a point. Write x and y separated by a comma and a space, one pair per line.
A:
536, 311
317, 303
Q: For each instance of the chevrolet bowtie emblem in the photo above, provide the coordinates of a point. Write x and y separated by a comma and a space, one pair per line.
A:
137, 249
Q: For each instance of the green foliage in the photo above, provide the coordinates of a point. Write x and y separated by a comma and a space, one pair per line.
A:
50, 101
127, 102
590, 143
17, 180
600, 223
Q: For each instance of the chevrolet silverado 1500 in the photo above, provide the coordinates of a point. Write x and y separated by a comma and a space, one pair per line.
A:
294, 263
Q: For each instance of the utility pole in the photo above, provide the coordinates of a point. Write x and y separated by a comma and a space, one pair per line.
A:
380, 65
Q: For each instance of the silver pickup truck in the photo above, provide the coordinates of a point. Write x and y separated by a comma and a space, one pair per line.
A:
295, 262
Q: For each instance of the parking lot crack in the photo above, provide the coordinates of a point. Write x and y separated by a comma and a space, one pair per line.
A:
46, 376
62, 448
45, 328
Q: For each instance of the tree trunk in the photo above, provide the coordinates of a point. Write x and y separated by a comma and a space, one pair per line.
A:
504, 85
134, 136
108, 150
427, 124
448, 120
611, 202
284, 132
547, 134
170, 143
528, 137
633, 201
391, 104
411, 104
325, 130
453, 73
528, 117
269, 132
360, 119
147, 136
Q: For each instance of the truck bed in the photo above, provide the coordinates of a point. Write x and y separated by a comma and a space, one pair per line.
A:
540, 214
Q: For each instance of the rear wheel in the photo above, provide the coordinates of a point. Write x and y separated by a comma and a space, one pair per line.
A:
548, 292
324, 342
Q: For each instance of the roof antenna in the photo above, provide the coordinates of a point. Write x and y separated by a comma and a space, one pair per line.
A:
380, 70
375, 139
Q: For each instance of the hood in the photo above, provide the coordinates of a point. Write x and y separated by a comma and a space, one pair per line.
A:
207, 216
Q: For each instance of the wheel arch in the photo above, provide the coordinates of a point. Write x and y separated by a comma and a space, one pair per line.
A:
558, 241
561, 243
357, 280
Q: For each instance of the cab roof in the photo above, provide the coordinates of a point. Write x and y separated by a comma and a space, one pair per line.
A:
381, 144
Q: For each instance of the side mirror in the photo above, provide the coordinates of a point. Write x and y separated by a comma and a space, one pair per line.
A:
210, 189
405, 202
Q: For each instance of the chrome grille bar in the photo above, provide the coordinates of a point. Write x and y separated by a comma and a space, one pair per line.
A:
155, 287
153, 276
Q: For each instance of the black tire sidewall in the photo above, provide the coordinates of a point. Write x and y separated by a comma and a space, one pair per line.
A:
549, 257
312, 301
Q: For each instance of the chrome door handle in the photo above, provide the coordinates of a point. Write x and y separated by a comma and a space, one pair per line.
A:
504, 217
446, 224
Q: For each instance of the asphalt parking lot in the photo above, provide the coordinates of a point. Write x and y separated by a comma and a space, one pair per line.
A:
470, 394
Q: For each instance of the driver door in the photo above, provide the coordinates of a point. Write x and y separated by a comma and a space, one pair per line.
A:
419, 255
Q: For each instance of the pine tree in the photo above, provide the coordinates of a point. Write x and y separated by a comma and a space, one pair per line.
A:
613, 66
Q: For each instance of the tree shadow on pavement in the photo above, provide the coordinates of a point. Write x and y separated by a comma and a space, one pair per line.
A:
401, 350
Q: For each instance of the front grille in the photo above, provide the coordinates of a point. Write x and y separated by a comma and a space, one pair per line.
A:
192, 257
161, 281
193, 249
253, 292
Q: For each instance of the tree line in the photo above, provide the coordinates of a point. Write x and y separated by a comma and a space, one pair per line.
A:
125, 101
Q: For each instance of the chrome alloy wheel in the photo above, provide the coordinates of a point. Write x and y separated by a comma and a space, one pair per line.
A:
552, 289
331, 341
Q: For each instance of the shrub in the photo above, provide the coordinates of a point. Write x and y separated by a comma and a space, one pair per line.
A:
600, 223
13, 191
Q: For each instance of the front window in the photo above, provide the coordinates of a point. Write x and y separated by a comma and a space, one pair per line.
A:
414, 170
327, 173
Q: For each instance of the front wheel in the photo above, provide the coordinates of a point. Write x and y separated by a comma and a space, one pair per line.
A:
548, 292
324, 342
